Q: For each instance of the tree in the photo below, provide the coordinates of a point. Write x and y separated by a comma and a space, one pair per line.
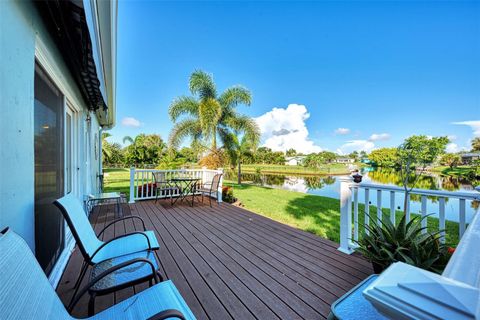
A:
476, 144
106, 147
384, 157
238, 149
206, 116
451, 160
145, 149
291, 152
354, 155
414, 155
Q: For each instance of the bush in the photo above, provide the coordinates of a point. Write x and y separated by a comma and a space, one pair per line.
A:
388, 243
227, 195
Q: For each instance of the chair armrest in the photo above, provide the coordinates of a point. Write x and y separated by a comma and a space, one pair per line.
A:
169, 313
122, 219
106, 273
122, 236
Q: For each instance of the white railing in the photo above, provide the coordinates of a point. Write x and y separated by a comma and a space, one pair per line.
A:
349, 197
142, 181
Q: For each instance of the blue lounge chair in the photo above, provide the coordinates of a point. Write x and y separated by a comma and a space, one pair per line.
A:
93, 249
25, 292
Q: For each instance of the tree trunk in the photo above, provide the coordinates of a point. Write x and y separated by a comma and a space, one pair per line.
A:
239, 172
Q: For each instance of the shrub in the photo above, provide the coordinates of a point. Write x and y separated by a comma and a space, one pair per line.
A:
388, 243
227, 195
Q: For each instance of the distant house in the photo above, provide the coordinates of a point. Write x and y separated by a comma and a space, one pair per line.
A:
294, 161
468, 158
344, 160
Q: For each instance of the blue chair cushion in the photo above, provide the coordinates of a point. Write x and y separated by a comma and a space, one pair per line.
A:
126, 245
148, 303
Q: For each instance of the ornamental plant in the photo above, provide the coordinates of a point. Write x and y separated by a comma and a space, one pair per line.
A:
387, 243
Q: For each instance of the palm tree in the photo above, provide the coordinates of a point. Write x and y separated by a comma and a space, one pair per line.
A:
476, 144
239, 149
206, 116
106, 147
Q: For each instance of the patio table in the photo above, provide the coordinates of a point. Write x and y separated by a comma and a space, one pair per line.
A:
353, 305
106, 197
185, 186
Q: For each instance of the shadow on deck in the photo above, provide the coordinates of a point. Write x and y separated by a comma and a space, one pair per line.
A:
228, 262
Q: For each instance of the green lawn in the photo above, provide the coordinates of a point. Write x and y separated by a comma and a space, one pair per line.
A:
314, 214
117, 180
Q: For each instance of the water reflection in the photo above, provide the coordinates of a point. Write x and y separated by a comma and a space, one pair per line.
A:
329, 186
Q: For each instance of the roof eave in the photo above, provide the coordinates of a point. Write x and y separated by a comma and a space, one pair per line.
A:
102, 18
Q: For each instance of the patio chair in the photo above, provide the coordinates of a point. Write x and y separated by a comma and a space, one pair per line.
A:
162, 185
210, 188
26, 293
92, 248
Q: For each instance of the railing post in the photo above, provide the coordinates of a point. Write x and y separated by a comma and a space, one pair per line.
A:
132, 185
220, 186
345, 215
204, 175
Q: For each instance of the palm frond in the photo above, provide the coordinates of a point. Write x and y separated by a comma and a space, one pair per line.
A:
209, 114
187, 127
183, 105
234, 96
201, 83
246, 125
127, 139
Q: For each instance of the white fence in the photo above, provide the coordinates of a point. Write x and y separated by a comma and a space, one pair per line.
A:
349, 197
142, 181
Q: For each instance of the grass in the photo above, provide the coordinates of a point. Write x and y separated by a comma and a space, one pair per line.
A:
334, 168
117, 180
314, 214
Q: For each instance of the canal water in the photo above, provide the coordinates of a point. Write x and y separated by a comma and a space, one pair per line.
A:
329, 186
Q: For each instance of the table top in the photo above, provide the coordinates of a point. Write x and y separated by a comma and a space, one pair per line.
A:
127, 276
185, 179
354, 306
105, 195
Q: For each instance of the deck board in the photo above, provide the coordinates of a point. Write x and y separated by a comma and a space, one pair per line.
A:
230, 263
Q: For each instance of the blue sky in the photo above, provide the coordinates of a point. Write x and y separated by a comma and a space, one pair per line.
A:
367, 74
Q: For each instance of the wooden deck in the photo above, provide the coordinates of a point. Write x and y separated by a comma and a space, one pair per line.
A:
229, 263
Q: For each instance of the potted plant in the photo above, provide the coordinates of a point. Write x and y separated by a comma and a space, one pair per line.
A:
387, 243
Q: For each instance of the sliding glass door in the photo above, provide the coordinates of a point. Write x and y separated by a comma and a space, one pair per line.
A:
49, 169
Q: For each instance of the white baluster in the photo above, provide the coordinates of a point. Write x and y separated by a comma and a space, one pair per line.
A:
367, 210
441, 217
132, 185
461, 222
355, 213
379, 207
392, 207
424, 213
143, 178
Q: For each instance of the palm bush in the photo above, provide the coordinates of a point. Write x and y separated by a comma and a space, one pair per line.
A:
387, 243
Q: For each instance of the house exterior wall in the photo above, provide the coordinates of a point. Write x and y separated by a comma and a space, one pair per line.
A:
24, 40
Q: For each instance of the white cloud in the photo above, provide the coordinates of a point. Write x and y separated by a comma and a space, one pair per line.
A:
342, 131
285, 128
452, 148
379, 137
356, 145
474, 124
452, 137
131, 122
